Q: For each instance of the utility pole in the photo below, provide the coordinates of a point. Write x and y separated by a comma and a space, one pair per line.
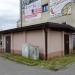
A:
21, 11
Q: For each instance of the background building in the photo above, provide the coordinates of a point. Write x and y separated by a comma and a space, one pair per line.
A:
41, 11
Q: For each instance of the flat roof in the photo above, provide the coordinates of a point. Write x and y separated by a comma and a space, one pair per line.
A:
47, 25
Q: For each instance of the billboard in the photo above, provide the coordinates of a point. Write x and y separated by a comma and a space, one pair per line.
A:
33, 10
56, 7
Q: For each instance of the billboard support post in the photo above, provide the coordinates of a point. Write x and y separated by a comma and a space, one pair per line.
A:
21, 11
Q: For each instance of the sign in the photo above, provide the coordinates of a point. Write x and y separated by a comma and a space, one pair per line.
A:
26, 2
33, 10
56, 7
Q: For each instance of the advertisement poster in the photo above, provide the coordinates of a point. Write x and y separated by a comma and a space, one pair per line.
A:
33, 10
56, 7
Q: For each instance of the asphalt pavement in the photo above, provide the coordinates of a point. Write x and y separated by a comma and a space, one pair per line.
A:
8, 67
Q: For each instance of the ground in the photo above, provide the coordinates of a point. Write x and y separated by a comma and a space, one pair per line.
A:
8, 67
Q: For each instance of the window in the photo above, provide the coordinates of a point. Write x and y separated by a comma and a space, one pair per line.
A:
64, 23
0, 37
45, 7
0, 42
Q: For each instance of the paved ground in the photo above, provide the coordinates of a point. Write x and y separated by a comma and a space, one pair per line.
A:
12, 68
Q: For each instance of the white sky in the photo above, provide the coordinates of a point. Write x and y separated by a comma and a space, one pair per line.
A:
9, 13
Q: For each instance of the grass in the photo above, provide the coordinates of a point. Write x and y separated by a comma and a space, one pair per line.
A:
53, 64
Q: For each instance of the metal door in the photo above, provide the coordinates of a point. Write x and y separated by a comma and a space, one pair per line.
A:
8, 44
66, 44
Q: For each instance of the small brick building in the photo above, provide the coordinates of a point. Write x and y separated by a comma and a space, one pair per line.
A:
48, 24
53, 39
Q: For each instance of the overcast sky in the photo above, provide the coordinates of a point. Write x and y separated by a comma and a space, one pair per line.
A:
9, 13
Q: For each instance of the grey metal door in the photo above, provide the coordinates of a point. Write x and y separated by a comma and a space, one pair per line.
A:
8, 44
66, 44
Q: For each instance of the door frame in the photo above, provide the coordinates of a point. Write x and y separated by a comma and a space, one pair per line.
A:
8, 47
66, 44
